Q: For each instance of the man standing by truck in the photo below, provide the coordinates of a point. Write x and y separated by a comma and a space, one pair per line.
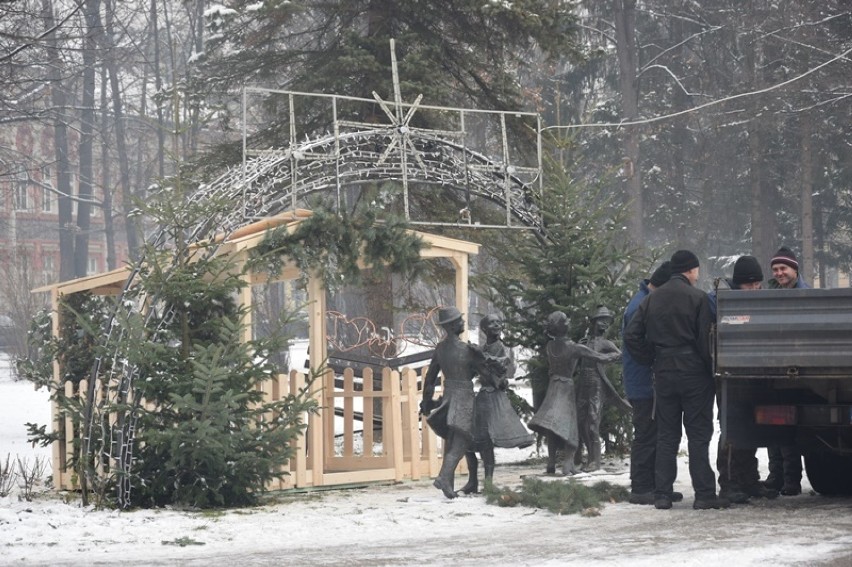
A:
671, 331
639, 387
739, 477
785, 463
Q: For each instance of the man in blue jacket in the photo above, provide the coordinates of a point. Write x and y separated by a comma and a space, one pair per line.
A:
639, 386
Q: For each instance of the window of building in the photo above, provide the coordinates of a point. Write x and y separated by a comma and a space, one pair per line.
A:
93, 266
47, 200
48, 268
48, 197
22, 187
96, 209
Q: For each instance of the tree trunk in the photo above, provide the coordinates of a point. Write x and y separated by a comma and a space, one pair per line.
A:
127, 196
106, 178
687, 231
762, 222
806, 268
625, 33
158, 86
58, 100
87, 128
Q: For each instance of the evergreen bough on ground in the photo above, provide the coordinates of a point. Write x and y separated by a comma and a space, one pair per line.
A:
569, 497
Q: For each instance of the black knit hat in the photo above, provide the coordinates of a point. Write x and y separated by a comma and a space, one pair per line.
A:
662, 274
747, 270
683, 261
785, 256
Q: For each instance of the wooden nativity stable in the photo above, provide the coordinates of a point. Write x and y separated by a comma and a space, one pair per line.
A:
332, 452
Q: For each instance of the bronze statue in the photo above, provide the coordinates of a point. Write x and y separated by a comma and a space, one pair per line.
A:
495, 422
451, 416
557, 416
592, 388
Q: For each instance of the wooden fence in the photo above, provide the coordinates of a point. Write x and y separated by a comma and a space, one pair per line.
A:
347, 441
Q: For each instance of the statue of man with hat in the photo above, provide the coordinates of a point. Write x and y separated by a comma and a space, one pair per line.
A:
593, 385
451, 416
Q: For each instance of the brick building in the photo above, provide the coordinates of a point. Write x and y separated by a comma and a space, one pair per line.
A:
29, 212
29, 226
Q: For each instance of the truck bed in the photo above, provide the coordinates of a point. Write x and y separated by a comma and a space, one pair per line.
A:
784, 332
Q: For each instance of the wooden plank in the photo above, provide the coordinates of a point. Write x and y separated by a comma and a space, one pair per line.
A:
348, 412
358, 463
393, 425
297, 382
327, 414
68, 475
368, 412
357, 394
316, 437
350, 477
411, 425
57, 449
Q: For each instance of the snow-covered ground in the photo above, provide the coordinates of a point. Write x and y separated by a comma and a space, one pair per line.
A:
409, 523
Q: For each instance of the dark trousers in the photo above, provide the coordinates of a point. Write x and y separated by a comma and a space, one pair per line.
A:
785, 466
737, 466
643, 450
687, 399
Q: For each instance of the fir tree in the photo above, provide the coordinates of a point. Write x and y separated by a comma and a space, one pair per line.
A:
580, 261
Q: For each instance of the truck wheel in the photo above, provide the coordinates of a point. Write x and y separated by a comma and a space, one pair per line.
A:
829, 474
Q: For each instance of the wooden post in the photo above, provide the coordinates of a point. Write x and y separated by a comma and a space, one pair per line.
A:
56, 449
318, 357
368, 411
297, 382
349, 412
410, 421
316, 437
68, 476
460, 262
392, 419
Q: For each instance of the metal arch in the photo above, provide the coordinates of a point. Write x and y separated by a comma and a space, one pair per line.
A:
276, 180
357, 151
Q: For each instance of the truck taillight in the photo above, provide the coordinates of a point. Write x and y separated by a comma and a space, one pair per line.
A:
775, 415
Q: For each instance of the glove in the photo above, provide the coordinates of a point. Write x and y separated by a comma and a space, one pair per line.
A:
504, 383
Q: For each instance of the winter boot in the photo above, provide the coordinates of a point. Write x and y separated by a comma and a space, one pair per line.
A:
646, 498
710, 503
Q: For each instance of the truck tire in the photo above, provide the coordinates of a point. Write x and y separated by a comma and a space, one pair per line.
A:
828, 473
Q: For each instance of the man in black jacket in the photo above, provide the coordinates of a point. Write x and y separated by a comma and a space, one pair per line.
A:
739, 477
671, 332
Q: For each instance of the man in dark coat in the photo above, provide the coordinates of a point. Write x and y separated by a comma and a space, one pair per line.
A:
671, 332
785, 463
739, 477
639, 387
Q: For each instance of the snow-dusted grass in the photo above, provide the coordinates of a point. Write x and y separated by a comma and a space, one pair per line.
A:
408, 523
